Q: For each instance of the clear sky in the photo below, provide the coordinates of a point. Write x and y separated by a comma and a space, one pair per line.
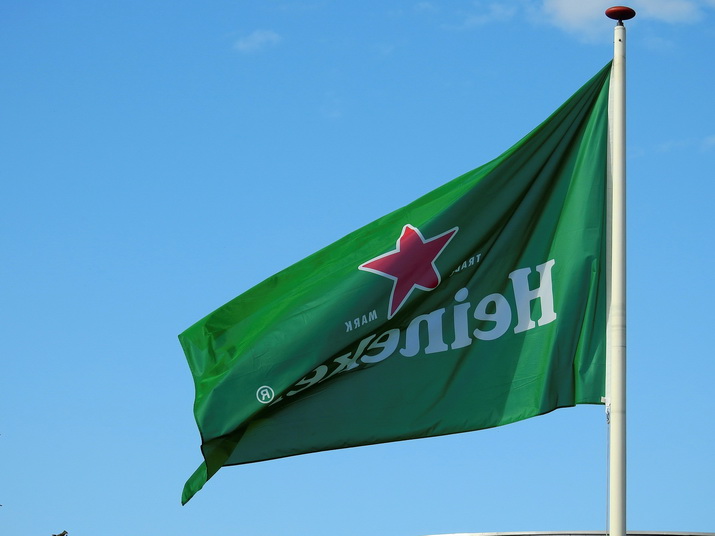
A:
159, 158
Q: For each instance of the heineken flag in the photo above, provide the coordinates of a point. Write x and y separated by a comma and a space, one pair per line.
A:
480, 304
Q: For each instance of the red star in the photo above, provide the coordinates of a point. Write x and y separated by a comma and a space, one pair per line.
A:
410, 265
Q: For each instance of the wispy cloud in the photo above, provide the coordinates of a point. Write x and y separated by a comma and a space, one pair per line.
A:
705, 144
658, 43
568, 14
585, 17
676, 11
708, 144
489, 14
294, 6
481, 14
332, 106
426, 6
257, 40
675, 145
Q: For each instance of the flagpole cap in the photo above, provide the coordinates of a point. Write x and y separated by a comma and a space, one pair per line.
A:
620, 13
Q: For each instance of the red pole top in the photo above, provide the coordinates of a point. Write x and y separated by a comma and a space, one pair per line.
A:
620, 13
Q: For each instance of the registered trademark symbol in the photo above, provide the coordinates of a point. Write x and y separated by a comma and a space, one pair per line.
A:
265, 394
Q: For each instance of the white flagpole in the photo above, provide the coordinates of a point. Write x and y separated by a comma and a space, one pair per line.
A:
616, 323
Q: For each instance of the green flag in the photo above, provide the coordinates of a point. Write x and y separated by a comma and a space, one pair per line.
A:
480, 304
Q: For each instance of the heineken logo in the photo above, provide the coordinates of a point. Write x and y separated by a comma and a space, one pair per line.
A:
411, 265
462, 320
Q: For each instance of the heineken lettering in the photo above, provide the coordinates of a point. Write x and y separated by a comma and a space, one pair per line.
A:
480, 304
372, 349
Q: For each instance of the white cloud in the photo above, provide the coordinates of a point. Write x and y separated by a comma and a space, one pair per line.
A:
570, 13
586, 17
257, 40
674, 11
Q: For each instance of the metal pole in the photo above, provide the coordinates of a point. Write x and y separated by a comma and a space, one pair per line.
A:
616, 326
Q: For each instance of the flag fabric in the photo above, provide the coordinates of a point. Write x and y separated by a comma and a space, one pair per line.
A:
480, 304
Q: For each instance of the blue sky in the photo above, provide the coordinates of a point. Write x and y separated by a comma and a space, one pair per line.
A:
160, 158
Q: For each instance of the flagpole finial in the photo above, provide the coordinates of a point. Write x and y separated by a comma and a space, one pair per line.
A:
620, 13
